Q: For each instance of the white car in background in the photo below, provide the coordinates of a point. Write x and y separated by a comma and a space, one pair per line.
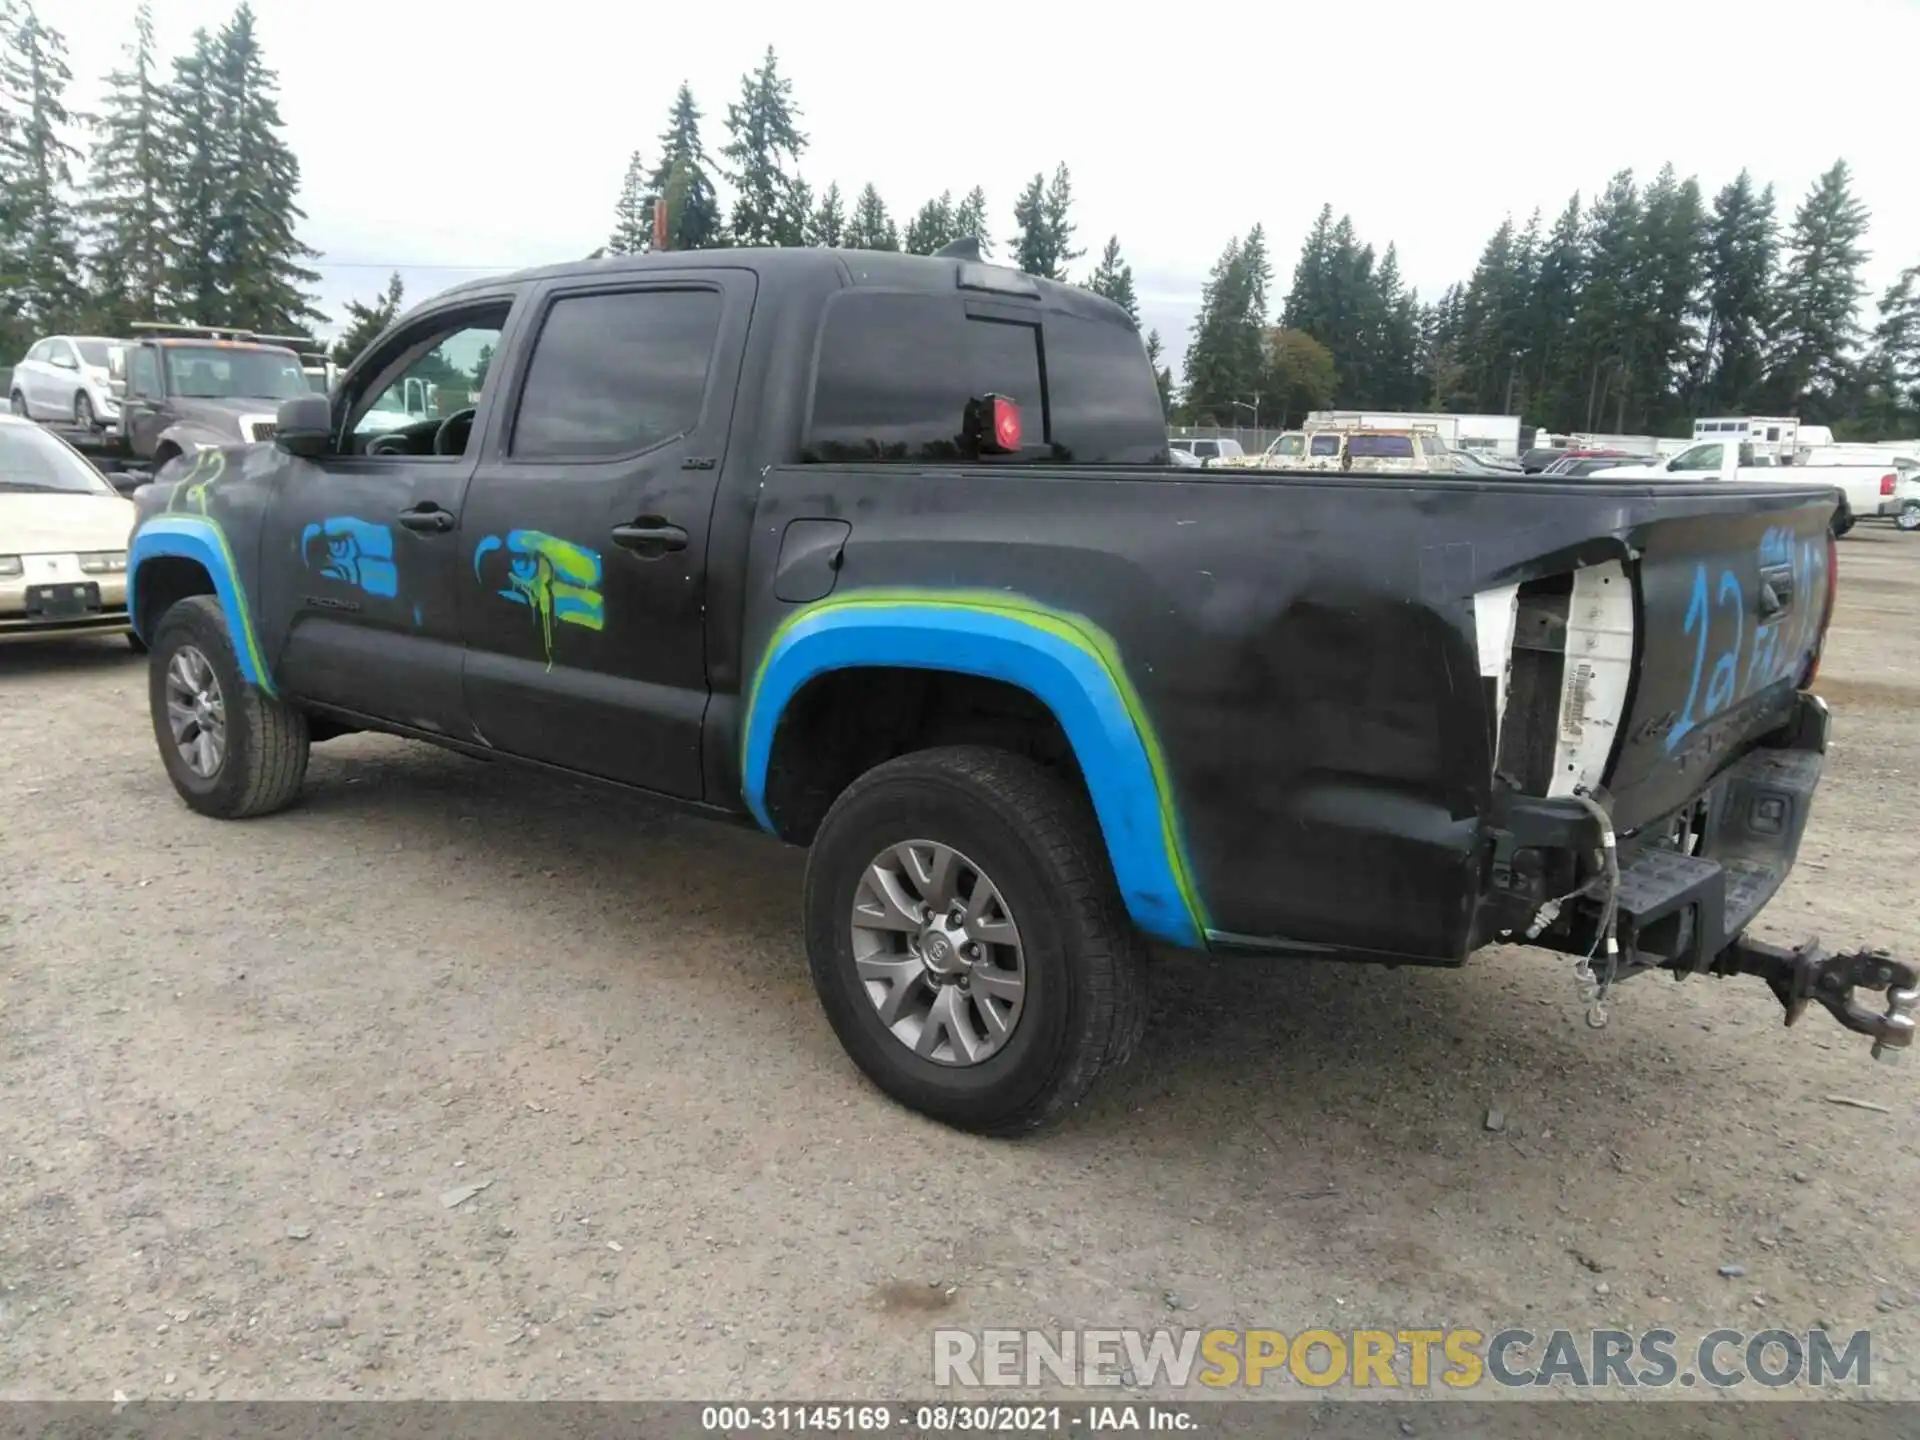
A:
68, 378
63, 540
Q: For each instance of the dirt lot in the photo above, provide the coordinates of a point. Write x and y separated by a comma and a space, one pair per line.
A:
243, 1064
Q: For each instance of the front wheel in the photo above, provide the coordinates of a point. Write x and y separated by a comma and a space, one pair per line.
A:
18, 404
231, 750
83, 412
968, 942
1909, 516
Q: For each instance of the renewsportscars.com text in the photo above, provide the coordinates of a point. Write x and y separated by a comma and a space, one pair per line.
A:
1413, 1359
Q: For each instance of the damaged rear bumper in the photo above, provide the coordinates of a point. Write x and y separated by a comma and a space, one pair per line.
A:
1690, 887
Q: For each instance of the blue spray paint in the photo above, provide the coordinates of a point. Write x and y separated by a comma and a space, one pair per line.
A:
1773, 649
354, 552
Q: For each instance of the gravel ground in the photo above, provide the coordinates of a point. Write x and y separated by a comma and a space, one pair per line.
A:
244, 1065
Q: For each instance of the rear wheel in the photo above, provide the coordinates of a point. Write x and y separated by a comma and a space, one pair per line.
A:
1909, 516
967, 941
231, 750
1842, 522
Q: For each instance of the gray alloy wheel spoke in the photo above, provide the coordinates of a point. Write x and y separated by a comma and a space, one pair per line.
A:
938, 953
196, 712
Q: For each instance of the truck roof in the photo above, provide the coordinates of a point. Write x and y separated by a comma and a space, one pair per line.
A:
886, 268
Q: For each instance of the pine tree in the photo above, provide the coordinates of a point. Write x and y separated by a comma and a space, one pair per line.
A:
633, 211
366, 322
130, 229
264, 281
871, 228
684, 178
1030, 226
1549, 372
766, 141
1603, 327
1742, 249
1113, 278
1394, 345
1892, 368
1227, 363
196, 174
1308, 305
1043, 242
828, 224
1058, 209
1674, 257
1162, 374
932, 227
1820, 294
970, 218
39, 260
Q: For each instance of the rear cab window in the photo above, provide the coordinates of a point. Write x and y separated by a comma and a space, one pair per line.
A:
1325, 445
895, 370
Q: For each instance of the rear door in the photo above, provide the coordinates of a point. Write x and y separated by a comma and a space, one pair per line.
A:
584, 536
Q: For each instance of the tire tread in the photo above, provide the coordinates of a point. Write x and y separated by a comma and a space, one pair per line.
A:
1107, 956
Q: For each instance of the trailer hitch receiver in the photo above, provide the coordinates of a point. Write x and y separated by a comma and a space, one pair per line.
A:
1804, 973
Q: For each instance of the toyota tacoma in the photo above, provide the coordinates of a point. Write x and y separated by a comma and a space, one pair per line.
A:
884, 555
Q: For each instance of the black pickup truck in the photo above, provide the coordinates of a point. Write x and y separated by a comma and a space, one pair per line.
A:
883, 554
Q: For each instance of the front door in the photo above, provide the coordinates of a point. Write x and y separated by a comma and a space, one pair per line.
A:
360, 555
1701, 462
142, 415
584, 537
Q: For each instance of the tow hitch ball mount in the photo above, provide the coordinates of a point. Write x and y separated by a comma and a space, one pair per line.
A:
1806, 972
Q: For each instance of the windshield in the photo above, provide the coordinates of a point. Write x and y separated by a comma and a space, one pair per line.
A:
33, 462
93, 352
222, 372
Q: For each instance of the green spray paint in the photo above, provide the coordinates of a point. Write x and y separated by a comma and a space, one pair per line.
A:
1075, 630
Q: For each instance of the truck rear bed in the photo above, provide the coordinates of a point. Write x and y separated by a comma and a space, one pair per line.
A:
1338, 668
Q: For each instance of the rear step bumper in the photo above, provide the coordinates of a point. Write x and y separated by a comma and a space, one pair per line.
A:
1688, 914
1685, 909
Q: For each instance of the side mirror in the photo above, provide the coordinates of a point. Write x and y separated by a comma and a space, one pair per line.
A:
118, 387
304, 426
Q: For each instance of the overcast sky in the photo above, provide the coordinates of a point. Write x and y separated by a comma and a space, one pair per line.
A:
443, 138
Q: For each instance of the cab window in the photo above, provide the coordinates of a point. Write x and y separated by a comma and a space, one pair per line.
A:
1700, 457
143, 373
427, 379
1325, 445
615, 375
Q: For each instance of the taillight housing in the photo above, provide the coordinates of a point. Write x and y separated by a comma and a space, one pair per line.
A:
1887, 483
993, 425
1826, 615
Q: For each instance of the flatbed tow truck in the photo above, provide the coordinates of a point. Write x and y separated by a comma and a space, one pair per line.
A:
188, 387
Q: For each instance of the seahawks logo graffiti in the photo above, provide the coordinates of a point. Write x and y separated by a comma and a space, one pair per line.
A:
558, 581
353, 552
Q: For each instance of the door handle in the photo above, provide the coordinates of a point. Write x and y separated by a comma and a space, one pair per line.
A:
650, 535
429, 518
